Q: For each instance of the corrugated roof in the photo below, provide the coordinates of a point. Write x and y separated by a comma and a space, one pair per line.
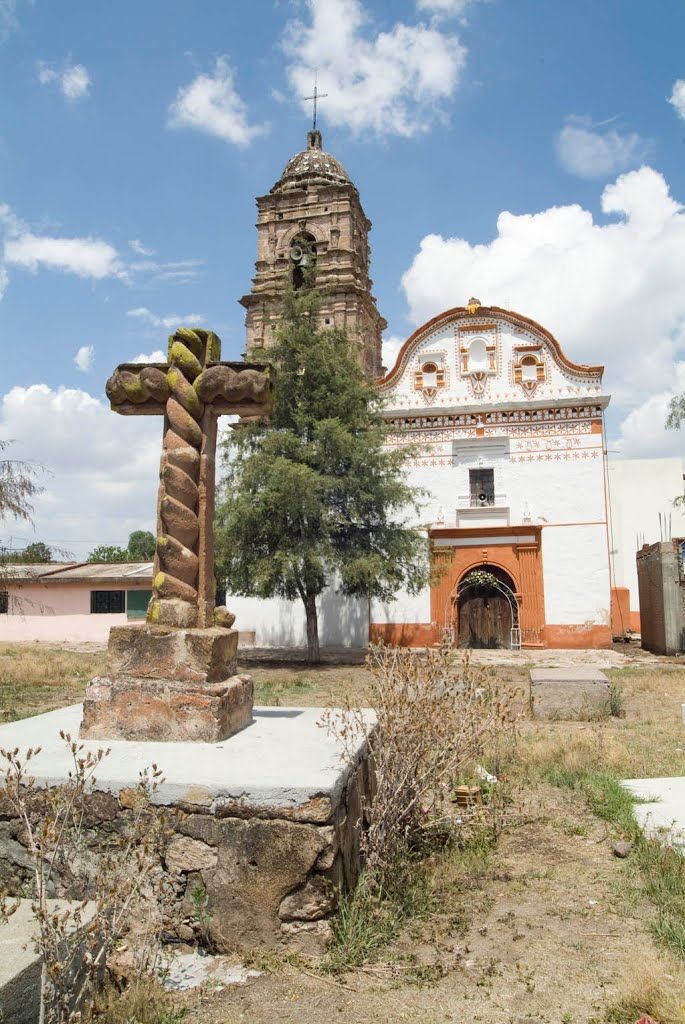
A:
30, 570
81, 572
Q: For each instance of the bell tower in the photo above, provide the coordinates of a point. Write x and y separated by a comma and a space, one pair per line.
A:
313, 217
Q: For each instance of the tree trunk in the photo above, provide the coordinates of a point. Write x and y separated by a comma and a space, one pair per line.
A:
313, 652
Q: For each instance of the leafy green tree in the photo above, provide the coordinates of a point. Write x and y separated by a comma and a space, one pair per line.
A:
314, 497
141, 546
36, 552
108, 553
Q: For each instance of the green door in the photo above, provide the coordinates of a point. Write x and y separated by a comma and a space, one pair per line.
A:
137, 602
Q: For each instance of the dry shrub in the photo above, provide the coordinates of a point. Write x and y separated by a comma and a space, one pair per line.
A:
437, 718
115, 880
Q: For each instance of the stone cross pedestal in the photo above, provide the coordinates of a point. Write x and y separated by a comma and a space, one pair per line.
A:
173, 678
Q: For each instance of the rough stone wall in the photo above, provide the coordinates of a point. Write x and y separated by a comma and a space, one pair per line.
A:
271, 875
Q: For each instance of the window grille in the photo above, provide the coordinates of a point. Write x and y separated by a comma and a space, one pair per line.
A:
107, 602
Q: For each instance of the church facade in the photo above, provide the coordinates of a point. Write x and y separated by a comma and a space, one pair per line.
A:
507, 441
510, 449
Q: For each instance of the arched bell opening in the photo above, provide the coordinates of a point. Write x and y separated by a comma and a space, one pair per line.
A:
302, 257
485, 609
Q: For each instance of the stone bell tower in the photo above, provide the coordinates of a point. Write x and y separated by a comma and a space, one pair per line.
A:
313, 216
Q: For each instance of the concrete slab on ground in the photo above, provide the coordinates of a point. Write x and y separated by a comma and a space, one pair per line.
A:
661, 810
21, 965
574, 692
283, 759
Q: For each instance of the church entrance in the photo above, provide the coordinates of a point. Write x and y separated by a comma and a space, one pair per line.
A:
486, 609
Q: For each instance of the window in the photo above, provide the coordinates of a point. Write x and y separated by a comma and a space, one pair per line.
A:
482, 487
4, 602
478, 356
529, 368
107, 602
431, 374
137, 602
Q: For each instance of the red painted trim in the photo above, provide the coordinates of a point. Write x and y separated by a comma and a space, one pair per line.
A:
577, 637
404, 634
461, 312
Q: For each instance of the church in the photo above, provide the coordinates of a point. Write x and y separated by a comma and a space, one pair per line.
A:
507, 435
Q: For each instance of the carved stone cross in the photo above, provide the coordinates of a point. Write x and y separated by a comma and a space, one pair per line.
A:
191, 390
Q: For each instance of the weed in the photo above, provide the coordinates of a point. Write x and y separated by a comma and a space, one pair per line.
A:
142, 1002
617, 700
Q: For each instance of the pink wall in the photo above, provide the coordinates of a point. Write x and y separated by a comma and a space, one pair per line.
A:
58, 628
54, 612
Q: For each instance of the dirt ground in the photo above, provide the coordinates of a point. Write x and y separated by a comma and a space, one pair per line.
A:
540, 933
548, 927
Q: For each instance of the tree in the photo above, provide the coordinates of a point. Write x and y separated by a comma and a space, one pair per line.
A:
17, 487
141, 546
38, 551
313, 497
108, 553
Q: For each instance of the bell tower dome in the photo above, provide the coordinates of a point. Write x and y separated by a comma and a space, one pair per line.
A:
313, 216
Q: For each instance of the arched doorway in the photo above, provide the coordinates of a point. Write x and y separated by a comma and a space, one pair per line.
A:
486, 609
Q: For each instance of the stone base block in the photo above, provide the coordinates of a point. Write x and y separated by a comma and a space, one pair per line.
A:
161, 652
267, 825
165, 710
569, 693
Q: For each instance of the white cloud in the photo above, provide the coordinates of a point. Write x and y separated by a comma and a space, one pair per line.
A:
86, 257
84, 358
677, 97
445, 8
152, 357
611, 293
390, 82
8, 19
139, 248
73, 80
109, 461
595, 151
170, 321
643, 433
211, 104
391, 350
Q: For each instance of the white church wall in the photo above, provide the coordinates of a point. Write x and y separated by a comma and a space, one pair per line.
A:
576, 575
405, 609
639, 490
343, 621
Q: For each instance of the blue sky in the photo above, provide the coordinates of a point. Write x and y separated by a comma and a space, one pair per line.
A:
134, 137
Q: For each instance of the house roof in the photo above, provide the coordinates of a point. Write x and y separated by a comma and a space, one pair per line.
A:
79, 572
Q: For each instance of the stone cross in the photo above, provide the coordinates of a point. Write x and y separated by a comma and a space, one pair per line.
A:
191, 390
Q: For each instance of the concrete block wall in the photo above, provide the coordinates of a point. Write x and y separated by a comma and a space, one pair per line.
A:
662, 594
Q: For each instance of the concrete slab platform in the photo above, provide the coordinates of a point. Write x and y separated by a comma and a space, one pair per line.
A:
662, 815
284, 758
573, 692
20, 964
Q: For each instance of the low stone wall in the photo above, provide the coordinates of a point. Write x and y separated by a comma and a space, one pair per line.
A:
270, 874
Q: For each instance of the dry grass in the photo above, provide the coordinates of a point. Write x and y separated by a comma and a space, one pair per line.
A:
34, 678
652, 987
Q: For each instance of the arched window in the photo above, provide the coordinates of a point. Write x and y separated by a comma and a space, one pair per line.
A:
302, 257
478, 356
529, 368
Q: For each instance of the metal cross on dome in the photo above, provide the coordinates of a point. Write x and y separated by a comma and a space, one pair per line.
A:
316, 95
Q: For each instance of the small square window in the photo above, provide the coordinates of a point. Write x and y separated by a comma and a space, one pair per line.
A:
280, 216
482, 487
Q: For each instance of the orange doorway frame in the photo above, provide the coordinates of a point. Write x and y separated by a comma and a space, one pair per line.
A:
520, 558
